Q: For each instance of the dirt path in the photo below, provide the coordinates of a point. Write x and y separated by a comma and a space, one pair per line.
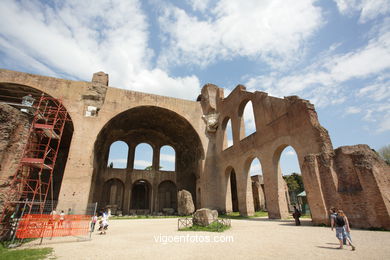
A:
252, 239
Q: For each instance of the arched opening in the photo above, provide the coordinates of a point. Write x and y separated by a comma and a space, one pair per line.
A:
112, 196
143, 157
140, 195
227, 133
233, 191
117, 157
11, 96
255, 171
291, 172
280, 208
167, 196
247, 126
167, 158
149, 126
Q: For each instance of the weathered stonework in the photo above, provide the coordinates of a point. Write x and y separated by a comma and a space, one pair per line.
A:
217, 176
185, 203
357, 180
14, 127
204, 217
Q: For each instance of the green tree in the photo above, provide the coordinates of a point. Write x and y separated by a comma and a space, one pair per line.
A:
294, 182
384, 152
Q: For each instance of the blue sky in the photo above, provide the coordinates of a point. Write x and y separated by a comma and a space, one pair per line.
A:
334, 53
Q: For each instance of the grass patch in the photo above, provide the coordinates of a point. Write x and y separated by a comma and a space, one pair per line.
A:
213, 227
302, 216
24, 254
141, 217
260, 214
236, 215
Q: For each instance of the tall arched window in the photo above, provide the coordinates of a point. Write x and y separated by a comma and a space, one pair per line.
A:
228, 133
289, 168
143, 159
167, 158
289, 161
248, 121
117, 157
234, 194
256, 173
255, 168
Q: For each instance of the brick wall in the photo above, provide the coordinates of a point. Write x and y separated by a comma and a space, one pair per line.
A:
356, 180
14, 128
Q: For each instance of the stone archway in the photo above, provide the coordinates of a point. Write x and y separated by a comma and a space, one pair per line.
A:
112, 196
158, 127
167, 195
140, 195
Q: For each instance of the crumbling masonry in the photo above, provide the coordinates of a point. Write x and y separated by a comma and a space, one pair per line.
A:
353, 177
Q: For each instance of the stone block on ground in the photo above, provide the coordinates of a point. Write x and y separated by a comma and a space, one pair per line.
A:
204, 217
185, 203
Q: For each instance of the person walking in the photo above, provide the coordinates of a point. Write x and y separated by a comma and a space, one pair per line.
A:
333, 215
342, 226
296, 216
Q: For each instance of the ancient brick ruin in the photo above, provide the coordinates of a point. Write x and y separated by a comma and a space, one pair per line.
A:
353, 178
14, 126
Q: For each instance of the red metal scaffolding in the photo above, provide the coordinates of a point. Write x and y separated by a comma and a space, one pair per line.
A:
32, 183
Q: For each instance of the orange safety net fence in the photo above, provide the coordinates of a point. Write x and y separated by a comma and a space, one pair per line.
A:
38, 225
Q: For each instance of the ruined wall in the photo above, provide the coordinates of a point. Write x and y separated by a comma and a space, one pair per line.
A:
353, 178
78, 178
14, 129
280, 122
356, 180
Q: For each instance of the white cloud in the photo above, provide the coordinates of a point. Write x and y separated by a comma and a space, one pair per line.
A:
78, 38
323, 82
255, 168
291, 152
167, 158
355, 64
122, 160
199, 5
384, 124
376, 91
353, 110
141, 164
249, 117
368, 9
159, 82
274, 31
229, 133
360, 75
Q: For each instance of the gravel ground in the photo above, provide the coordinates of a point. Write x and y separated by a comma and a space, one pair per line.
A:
258, 238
